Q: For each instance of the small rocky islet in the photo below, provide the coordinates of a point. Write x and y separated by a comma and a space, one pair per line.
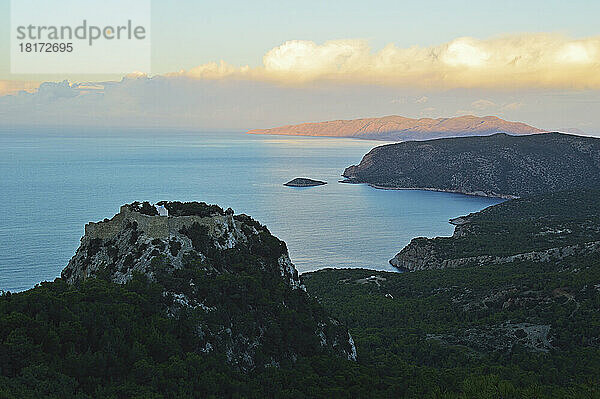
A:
304, 182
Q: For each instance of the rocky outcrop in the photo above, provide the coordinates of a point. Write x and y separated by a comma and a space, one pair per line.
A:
227, 270
398, 128
304, 182
131, 240
419, 255
496, 166
501, 338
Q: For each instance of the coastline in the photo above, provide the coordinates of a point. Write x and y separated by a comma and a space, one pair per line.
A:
369, 138
474, 193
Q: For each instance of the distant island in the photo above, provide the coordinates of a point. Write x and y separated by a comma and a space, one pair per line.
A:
399, 128
495, 166
304, 182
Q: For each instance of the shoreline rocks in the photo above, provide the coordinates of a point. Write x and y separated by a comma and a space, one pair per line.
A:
470, 193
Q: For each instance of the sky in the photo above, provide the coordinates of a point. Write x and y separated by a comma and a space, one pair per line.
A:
237, 65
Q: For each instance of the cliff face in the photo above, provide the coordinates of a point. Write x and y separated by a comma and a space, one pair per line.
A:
131, 241
499, 165
544, 228
227, 270
418, 255
398, 128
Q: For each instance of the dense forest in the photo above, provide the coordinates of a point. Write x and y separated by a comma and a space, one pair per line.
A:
517, 330
436, 333
105, 340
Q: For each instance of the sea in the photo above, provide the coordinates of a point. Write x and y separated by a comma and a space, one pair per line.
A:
53, 182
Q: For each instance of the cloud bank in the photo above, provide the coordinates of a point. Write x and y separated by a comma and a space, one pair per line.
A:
545, 80
515, 61
233, 104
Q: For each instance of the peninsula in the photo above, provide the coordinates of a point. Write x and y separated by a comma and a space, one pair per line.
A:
496, 166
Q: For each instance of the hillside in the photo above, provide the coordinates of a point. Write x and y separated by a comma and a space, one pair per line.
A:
546, 227
398, 128
500, 165
528, 327
187, 300
525, 330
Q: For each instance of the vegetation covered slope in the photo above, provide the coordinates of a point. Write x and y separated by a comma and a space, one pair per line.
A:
529, 326
546, 226
522, 330
498, 165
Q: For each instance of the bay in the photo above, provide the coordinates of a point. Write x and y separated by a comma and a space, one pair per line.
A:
54, 182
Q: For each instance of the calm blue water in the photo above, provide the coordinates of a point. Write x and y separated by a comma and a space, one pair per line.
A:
53, 183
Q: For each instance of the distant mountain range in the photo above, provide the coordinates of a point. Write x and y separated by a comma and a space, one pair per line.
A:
500, 165
399, 128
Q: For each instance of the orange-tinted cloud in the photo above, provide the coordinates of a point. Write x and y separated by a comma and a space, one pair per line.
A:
15, 86
523, 61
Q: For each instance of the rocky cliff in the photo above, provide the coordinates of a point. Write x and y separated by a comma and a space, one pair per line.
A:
500, 165
227, 270
398, 128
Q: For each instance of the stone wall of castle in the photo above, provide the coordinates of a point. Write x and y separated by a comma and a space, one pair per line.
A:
154, 226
